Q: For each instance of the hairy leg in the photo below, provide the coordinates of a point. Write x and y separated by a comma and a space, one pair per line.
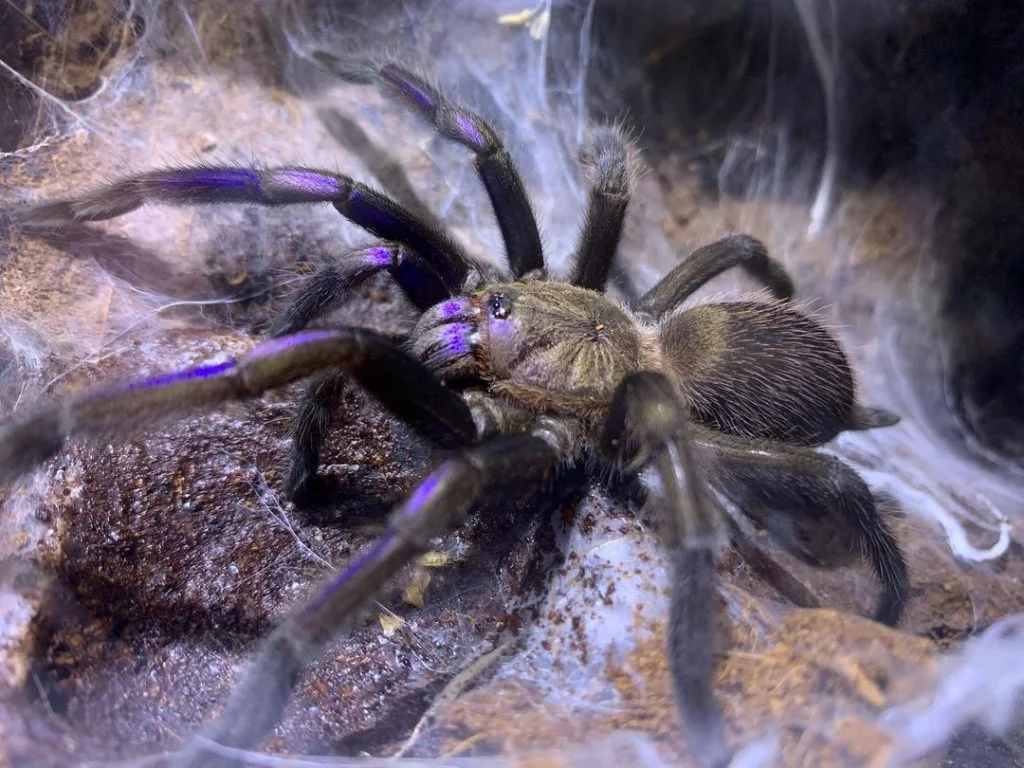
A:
329, 286
815, 505
398, 381
606, 209
201, 185
494, 164
312, 420
439, 503
709, 262
647, 424
441, 347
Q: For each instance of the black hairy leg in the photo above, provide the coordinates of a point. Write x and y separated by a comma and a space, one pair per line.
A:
286, 185
498, 171
708, 262
331, 285
312, 420
400, 383
439, 503
648, 424
813, 504
599, 238
320, 402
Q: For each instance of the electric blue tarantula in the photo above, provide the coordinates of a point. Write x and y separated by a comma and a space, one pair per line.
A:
517, 375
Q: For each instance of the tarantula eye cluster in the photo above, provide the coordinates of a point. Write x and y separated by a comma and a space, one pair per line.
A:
499, 306
730, 397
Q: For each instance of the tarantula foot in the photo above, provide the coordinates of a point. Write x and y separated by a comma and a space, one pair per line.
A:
308, 490
44, 218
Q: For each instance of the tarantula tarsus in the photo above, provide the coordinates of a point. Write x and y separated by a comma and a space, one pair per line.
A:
517, 375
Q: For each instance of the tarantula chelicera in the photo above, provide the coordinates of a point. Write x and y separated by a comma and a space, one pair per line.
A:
517, 375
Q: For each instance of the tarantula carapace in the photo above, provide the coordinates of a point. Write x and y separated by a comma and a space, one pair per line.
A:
518, 375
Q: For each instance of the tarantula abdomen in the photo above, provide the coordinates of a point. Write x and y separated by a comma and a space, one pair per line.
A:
765, 370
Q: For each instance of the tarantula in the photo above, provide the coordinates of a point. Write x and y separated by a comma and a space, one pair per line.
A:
518, 375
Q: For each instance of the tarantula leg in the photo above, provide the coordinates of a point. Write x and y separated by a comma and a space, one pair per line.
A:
647, 423
439, 503
493, 162
200, 185
329, 286
606, 209
709, 262
813, 504
312, 420
398, 381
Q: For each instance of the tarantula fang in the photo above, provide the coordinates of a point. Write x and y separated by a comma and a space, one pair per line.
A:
517, 375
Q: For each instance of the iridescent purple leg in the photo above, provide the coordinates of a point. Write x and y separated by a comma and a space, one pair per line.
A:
201, 185
398, 381
443, 345
329, 286
438, 504
494, 164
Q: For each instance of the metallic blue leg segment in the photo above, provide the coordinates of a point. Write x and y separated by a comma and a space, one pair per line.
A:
400, 383
203, 185
440, 502
494, 164
327, 288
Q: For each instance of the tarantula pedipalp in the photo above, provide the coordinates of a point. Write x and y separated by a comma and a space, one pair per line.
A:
518, 376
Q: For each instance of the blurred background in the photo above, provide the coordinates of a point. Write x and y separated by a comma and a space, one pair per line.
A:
874, 146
